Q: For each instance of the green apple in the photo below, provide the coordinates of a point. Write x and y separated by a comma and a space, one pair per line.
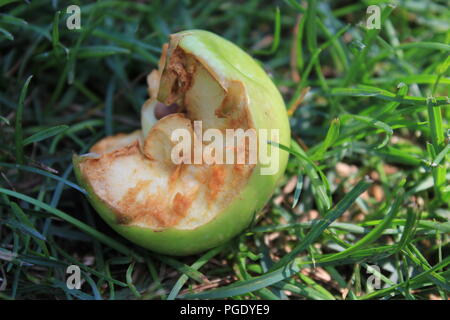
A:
181, 209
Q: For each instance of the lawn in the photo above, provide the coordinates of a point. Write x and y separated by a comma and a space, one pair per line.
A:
362, 211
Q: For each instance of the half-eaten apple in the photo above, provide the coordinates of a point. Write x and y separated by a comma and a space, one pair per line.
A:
184, 208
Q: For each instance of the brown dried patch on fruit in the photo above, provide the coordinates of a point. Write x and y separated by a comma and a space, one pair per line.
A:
216, 181
176, 77
96, 169
181, 205
175, 175
154, 209
136, 208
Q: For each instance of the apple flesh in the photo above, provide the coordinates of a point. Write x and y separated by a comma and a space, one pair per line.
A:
181, 209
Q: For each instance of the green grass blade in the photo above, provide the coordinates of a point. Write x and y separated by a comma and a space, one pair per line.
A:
323, 223
276, 36
77, 223
45, 134
18, 134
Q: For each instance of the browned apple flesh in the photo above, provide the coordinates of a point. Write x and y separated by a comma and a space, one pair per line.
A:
135, 175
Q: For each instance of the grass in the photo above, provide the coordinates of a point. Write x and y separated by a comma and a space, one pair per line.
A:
366, 190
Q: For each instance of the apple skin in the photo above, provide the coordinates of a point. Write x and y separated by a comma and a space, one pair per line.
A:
267, 110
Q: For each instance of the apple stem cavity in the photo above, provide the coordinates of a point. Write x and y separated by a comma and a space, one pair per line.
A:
161, 110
